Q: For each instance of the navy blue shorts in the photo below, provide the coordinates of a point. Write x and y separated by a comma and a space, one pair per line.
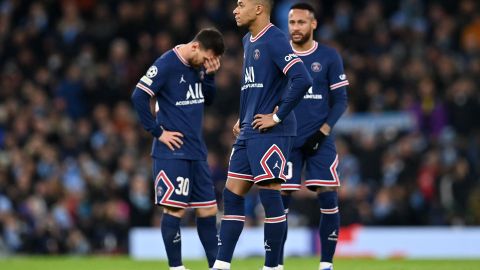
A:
320, 169
183, 183
259, 159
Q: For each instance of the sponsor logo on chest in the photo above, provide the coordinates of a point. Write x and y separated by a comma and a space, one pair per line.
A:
311, 95
194, 95
249, 81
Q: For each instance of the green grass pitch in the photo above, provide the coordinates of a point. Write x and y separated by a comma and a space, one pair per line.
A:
124, 263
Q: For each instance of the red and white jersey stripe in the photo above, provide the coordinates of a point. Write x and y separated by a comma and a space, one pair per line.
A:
329, 211
146, 89
278, 219
339, 84
261, 33
289, 65
234, 218
307, 52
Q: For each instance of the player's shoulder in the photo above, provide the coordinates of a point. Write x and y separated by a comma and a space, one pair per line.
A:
164, 62
246, 37
276, 33
327, 51
276, 39
166, 57
161, 66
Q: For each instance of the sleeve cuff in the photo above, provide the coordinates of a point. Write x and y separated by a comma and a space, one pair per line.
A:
276, 119
209, 77
157, 132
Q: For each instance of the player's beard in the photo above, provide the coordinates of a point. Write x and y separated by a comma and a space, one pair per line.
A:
305, 38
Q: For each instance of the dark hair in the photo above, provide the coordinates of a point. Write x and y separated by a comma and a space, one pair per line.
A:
268, 4
211, 39
303, 6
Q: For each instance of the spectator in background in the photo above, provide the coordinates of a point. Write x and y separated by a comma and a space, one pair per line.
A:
71, 94
389, 47
429, 110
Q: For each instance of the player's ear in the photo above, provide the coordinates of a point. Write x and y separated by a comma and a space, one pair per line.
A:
258, 9
314, 24
195, 45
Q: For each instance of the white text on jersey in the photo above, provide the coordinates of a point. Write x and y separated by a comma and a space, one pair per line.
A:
250, 79
194, 95
310, 95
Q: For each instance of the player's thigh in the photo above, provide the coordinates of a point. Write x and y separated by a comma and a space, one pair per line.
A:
321, 169
240, 177
239, 187
294, 169
267, 157
202, 193
172, 182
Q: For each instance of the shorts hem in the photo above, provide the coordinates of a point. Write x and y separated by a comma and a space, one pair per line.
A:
261, 179
292, 187
240, 176
321, 183
205, 204
172, 205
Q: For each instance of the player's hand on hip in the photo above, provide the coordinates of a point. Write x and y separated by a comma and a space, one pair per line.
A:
172, 139
212, 65
264, 121
236, 129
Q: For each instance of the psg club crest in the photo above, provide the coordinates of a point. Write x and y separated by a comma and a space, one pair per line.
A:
316, 67
256, 54
159, 191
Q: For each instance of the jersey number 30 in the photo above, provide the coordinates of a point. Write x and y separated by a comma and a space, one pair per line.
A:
183, 186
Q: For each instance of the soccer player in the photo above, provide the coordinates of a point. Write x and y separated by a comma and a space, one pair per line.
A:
317, 113
182, 82
264, 132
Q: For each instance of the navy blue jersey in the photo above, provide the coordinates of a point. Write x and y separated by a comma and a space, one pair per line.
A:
180, 91
269, 64
326, 100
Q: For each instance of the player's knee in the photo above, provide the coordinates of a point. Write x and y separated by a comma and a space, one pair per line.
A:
274, 184
326, 189
174, 211
206, 212
238, 187
287, 192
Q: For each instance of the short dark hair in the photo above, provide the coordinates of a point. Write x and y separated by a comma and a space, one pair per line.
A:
303, 6
211, 39
268, 4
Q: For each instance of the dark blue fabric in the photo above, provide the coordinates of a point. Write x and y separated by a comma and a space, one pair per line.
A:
268, 67
172, 239
329, 225
326, 100
274, 232
207, 232
286, 203
180, 92
230, 230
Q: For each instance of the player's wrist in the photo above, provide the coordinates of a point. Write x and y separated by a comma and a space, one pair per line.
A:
325, 129
210, 75
157, 132
276, 119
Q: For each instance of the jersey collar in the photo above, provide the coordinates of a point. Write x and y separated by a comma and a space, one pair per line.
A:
175, 50
261, 33
307, 52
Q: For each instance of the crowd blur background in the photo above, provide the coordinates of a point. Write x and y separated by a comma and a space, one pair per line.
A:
75, 170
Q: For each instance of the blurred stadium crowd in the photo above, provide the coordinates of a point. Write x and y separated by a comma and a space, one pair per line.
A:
75, 170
